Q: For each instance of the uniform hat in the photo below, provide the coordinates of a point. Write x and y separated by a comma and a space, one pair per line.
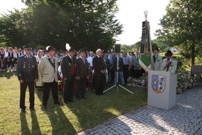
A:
157, 48
49, 48
27, 47
68, 48
168, 53
82, 50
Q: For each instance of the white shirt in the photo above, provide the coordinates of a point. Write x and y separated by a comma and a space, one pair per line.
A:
90, 61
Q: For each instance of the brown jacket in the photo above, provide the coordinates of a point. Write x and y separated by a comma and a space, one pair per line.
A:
82, 69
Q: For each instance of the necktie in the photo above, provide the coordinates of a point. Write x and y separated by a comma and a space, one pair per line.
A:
168, 60
154, 57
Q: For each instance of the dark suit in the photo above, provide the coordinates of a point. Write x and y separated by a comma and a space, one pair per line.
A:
82, 71
28, 72
120, 64
68, 71
99, 78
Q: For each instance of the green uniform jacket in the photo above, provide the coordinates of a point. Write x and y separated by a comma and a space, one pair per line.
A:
66, 67
157, 65
173, 66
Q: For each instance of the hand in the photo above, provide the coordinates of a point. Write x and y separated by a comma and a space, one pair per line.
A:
102, 71
78, 78
118, 68
35, 80
167, 63
128, 68
21, 81
65, 79
87, 77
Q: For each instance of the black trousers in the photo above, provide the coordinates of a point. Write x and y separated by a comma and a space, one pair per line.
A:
23, 87
47, 87
125, 73
69, 89
100, 82
112, 74
81, 87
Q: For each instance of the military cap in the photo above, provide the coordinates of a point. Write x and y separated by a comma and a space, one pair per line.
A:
168, 53
49, 48
27, 47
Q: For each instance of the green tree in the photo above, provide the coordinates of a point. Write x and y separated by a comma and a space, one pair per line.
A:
10, 35
182, 27
89, 24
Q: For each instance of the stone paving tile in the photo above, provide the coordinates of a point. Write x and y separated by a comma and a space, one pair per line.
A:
184, 119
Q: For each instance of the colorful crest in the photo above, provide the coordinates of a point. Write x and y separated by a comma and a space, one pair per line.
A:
158, 83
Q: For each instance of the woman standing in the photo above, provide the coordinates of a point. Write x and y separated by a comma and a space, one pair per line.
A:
39, 83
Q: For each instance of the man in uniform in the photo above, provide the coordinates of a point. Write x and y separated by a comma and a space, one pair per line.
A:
48, 70
82, 74
27, 75
68, 67
156, 60
99, 72
169, 64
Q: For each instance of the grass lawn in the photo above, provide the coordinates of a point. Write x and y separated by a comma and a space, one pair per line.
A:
67, 119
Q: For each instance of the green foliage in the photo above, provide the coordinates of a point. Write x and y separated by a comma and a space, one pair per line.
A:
182, 27
83, 24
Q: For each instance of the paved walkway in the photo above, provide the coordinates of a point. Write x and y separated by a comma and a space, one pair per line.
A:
184, 119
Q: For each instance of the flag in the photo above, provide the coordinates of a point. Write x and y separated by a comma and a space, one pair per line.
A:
146, 47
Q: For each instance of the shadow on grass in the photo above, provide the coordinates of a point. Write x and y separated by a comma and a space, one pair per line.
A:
8, 75
59, 121
24, 125
35, 124
94, 110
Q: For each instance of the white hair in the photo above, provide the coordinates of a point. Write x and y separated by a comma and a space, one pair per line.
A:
98, 50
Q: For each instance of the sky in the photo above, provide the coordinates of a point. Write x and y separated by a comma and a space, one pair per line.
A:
130, 14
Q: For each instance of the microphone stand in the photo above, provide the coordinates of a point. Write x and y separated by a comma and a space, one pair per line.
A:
117, 85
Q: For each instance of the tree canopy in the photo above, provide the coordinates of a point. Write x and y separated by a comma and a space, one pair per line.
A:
182, 27
88, 24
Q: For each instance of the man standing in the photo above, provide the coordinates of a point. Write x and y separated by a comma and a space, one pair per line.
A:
169, 64
126, 66
27, 75
82, 74
99, 72
137, 70
156, 60
48, 70
68, 67
90, 59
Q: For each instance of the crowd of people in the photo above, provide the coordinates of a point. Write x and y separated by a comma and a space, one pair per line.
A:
73, 72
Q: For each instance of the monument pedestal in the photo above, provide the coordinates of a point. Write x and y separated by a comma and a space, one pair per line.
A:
162, 89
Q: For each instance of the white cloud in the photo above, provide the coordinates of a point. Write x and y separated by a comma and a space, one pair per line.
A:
6, 5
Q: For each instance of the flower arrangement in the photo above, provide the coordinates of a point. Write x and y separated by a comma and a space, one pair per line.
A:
185, 81
135, 82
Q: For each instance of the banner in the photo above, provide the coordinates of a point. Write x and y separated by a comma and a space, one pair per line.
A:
146, 47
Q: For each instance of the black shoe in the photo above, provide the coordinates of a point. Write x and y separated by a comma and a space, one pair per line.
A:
45, 107
23, 111
58, 103
32, 109
83, 97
